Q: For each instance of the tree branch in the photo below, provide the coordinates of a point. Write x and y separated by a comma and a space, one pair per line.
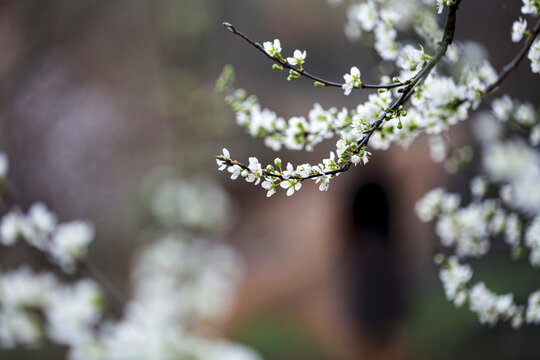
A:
302, 72
406, 91
447, 39
512, 65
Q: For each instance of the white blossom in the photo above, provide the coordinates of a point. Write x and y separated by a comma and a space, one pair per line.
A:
298, 58
478, 186
491, 307
430, 205
533, 308
530, 7
73, 312
454, 277
272, 48
518, 29
69, 243
534, 56
525, 114
502, 108
352, 80
12, 226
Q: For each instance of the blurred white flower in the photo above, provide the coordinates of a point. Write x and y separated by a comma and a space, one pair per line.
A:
69, 243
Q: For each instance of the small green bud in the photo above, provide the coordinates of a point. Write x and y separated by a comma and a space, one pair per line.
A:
293, 75
396, 80
318, 84
399, 125
382, 91
277, 67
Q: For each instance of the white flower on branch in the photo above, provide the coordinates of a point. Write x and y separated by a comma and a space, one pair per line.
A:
69, 243
518, 29
502, 108
291, 185
534, 56
440, 4
454, 277
272, 48
352, 80
298, 58
531, 7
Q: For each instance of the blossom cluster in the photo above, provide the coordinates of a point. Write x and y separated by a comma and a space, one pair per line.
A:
439, 101
273, 49
519, 30
505, 207
384, 18
296, 133
469, 231
65, 243
178, 281
489, 306
70, 310
290, 178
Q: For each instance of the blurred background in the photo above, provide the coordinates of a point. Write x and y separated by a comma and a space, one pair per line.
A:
97, 97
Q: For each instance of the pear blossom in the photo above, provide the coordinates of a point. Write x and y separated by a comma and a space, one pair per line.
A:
502, 108
525, 114
478, 186
352, 80
272, 48
69, 243
298, 58
221, 164
533, 308
534, 56
12, 226
454, 277
268, 185
440, 4
518, 29
292, 185
235, 171
531, 7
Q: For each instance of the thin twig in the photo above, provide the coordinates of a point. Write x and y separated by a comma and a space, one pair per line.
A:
302, 72
512, 65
